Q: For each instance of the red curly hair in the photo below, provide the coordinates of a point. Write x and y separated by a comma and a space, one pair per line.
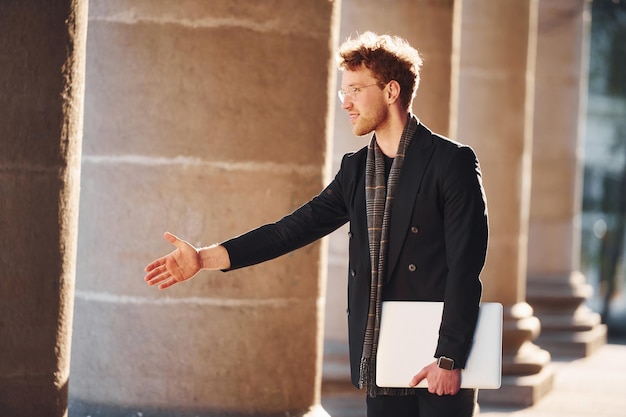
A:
388, 58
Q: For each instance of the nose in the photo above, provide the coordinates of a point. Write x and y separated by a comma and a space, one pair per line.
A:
346, 103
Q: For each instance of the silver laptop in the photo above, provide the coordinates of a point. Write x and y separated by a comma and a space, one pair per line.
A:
409, 332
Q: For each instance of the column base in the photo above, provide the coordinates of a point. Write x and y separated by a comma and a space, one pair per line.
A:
574, 344
569, 329
520, 391
526, 372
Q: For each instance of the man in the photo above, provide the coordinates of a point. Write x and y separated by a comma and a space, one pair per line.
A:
418, 229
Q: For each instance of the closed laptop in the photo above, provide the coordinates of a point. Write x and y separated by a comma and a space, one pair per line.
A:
409, 332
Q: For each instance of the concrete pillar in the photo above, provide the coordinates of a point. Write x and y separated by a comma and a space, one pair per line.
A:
42, 48
496, 117
427, 25
205, 120
557, 290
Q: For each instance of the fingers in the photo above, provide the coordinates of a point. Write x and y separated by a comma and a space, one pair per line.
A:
181, 245
161, 261
419, 377
155, 264
442, 390
163, 280
175, 240
444, 382
170, 237
156, 274
166, 270
440, 382
167, 284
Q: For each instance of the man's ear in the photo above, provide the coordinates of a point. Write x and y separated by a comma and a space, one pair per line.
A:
392, 91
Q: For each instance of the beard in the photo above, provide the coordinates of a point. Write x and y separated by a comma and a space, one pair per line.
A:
370, 121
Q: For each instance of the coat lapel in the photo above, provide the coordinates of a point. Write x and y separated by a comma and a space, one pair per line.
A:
416, 160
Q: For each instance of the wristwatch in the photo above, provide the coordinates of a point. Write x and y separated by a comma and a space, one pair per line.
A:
445, 363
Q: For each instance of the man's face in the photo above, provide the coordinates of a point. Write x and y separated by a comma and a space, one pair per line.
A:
364, 101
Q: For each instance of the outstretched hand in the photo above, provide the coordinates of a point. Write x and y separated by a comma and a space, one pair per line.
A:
440, 381
177, 266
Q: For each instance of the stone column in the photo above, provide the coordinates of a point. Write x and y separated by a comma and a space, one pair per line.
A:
42, 49
206, 120
496, 117
557, 290
427, 25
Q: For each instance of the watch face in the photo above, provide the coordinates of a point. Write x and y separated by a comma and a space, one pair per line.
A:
445, 363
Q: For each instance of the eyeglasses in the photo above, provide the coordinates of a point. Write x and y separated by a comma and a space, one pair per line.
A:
351, 92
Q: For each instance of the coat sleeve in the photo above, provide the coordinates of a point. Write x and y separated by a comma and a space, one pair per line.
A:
466, 234
322, 215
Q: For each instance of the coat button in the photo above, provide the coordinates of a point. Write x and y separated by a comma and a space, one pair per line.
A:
349, 234
412, 267
353, 272
415, 229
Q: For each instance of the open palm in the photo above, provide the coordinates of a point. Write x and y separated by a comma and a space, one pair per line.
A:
177, 266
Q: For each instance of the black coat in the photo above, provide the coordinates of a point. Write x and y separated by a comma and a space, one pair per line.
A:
437, 242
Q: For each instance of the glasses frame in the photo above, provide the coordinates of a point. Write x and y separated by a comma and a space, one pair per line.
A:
353, 91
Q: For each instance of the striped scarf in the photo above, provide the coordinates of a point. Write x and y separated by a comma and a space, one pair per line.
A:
379, 194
